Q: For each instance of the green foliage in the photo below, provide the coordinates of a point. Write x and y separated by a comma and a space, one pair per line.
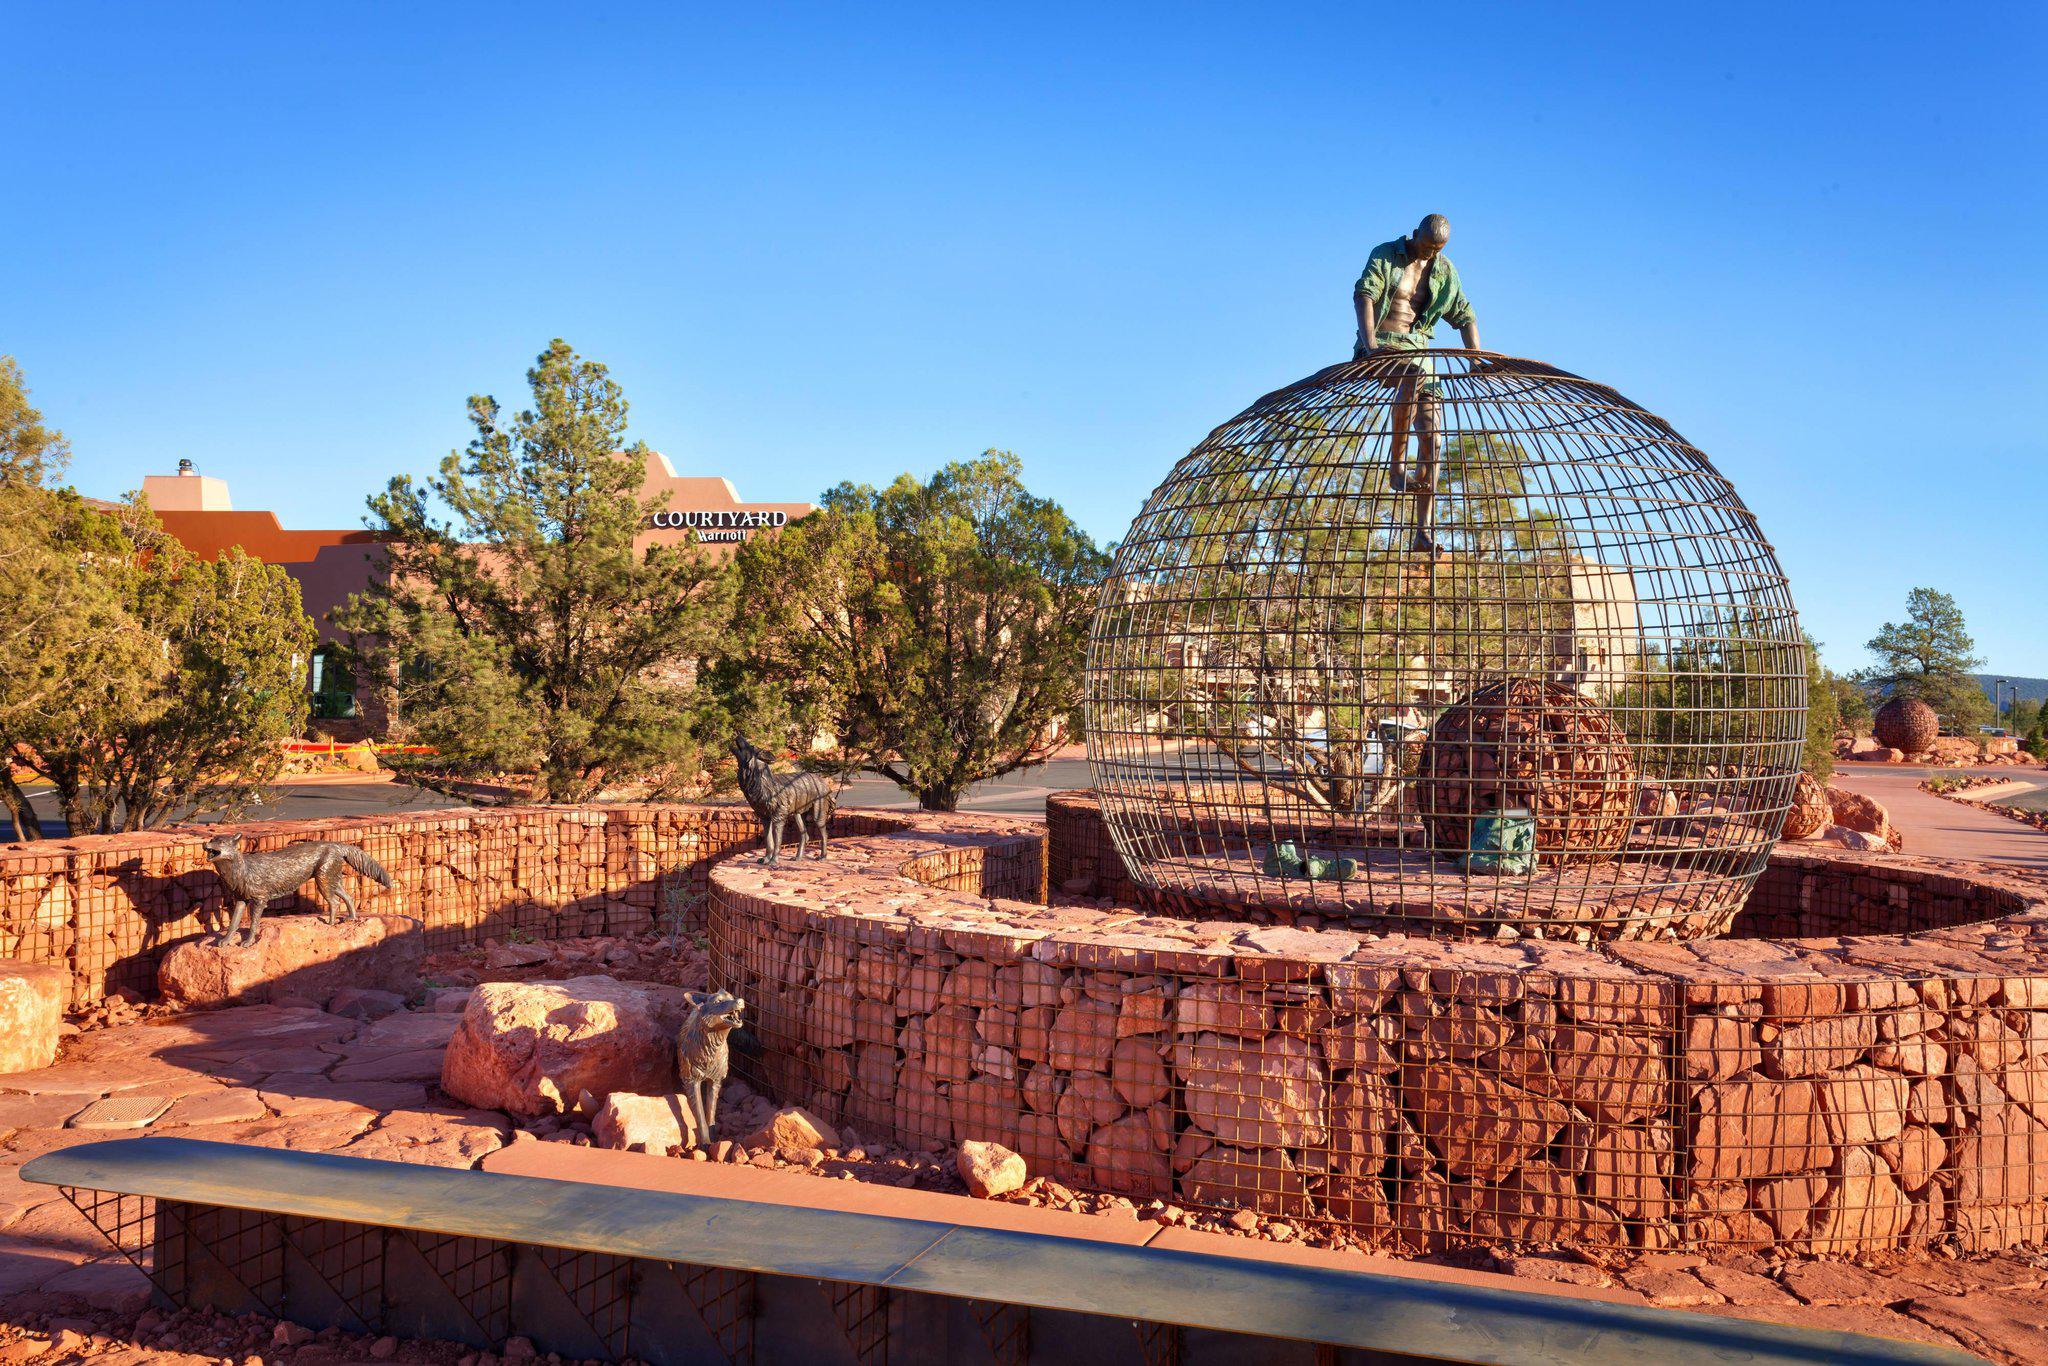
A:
141, 680
936, 628
1930, 655
1852, 702
1932, 641
185, 701
29, 451
524, 633
1823, 716
1729, 693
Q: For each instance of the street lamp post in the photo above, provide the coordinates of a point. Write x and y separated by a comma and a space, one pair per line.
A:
1998, 702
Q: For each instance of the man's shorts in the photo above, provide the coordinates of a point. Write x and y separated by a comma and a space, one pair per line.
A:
1394, 368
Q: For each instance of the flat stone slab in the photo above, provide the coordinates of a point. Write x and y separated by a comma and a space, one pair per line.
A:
121, 1112
297, 958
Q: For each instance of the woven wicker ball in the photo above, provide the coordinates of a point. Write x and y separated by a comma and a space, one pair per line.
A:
1536, 745
1811, 812
1907, 725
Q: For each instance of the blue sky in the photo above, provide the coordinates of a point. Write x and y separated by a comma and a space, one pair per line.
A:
826, 242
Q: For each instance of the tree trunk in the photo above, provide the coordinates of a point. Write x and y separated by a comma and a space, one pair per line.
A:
26, 826
939, 798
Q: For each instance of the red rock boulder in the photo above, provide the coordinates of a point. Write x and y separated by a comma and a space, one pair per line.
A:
296, 957
1857, 812
645, 1124
31, 1008
534, 1048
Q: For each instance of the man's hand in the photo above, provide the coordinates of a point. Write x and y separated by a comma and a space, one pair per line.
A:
1361, 347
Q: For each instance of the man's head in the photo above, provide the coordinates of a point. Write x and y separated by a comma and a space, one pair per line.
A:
1429, 236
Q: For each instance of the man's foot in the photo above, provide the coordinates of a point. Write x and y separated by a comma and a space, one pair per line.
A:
1422, 544
1398, 480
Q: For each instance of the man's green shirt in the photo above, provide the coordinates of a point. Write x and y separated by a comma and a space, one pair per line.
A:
1447, 301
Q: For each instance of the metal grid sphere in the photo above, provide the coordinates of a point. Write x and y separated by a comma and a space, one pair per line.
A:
1907, 725
1572, 706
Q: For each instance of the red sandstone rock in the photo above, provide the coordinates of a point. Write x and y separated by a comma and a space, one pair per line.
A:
1253, 1093
990, 1168
645, 1124
1746, 1129
1268, 1180
31, 1009
297, 956
793, 1131
365, 1003
1858, 812
531, 1048
1481, 1125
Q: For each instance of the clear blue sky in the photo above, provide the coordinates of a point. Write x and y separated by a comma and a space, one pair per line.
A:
826, 242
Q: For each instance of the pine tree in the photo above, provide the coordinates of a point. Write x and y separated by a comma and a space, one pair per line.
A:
525, 633
1930, 655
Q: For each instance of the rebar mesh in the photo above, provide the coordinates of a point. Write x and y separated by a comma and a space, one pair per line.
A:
1547, 679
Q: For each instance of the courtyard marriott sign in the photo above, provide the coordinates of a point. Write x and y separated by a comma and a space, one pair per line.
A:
712, 526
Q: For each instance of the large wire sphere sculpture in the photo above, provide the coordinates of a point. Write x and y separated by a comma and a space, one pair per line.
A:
1572, 707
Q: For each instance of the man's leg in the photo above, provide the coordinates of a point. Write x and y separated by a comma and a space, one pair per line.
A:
1428, 417
1397, 436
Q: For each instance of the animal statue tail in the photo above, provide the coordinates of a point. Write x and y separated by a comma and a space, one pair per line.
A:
364, 864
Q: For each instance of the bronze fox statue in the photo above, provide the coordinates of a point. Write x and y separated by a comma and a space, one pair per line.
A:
702, 1057
776, 797
255, 880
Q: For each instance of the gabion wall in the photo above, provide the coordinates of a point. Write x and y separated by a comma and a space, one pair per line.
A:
109, 907
1857, 1093
1540, 674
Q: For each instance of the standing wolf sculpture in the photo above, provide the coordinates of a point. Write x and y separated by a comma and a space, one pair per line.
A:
255, 880
702, 1056
776, 797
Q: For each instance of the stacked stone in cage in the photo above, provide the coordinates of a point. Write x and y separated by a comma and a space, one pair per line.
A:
1907, 725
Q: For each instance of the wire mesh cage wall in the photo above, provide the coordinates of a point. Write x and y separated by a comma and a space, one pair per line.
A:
1451, 642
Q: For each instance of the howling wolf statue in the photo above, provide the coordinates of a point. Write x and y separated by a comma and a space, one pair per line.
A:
776, 797
255, 880
702, 1056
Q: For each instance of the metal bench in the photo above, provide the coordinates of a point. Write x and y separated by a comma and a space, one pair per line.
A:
609, 1272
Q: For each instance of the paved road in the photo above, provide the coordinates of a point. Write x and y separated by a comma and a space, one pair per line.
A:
1020, 794
300, 801
1937, 826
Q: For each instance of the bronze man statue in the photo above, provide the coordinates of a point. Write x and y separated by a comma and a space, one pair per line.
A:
1407, 286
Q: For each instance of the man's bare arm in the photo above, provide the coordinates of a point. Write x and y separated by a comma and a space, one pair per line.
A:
1368, 322
1470, 332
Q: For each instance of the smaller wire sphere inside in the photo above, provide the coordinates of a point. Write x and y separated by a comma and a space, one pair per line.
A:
1447, 642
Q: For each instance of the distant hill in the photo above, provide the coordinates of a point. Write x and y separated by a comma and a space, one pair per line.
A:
2031, 689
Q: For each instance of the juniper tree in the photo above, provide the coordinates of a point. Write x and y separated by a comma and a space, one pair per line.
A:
514, 626
141, 681
935, 628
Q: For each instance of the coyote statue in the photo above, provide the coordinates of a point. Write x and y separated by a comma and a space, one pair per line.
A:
776, 797
255, 880
702, 1057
